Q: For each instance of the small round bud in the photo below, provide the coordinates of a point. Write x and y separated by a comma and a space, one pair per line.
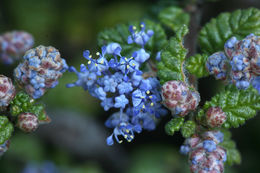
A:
13, 45
185, 149
27, 122
7, 91
193, 141
230, 46
215, 117
209, 145
178, 98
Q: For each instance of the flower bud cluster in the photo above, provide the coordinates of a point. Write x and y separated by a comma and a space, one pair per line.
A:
7, 91
178, 98
243, 58
13, 45
205, 154
40, 70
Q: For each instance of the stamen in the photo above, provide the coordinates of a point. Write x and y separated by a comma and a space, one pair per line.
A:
147, 92
97, 53
89, 62
152, 104
134, 27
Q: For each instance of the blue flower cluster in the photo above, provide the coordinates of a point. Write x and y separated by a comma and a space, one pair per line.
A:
244, 59
41, 69
118, 82
205, 154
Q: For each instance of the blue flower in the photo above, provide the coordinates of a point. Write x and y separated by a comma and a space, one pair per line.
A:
128, 65
138, 97
110, 85
97, 65
121, 101
124, 87
141, 56
113, 48
107, 103
146, 120
136, 79
141, 37
85, 78
100, 93
146, 85
123, 129
115, 119
119, 121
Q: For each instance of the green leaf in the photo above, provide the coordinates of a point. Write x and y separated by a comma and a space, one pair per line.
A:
239, 23
188, 129
174, 17
172, 58
239, 105
120, 33
233, 155
174, 125
6, 129
196, 65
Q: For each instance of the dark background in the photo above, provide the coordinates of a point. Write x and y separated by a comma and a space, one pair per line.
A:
75, 140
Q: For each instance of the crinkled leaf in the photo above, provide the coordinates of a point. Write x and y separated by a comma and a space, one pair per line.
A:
188, 129
196, 65
174, 125
172, 58
24, 103
174, 17
39, 111
239, 105
239, 23
233, 155
6, 129
120, 33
